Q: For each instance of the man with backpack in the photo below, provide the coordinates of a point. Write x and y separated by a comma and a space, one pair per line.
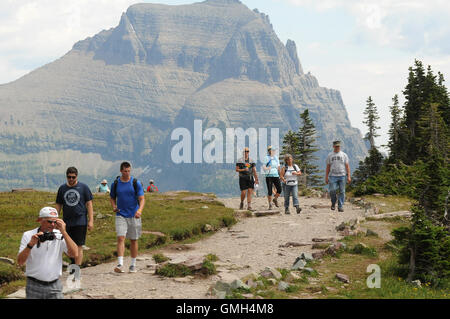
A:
127, 201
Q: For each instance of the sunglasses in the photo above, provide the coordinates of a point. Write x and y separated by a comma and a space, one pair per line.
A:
71, 177
52, 222
247, 151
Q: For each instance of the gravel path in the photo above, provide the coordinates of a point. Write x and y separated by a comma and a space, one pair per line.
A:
249, 246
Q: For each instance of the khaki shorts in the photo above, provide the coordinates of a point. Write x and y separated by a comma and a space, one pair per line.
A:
129, 227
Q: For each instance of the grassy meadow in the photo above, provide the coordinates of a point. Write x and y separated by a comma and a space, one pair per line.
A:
168, 213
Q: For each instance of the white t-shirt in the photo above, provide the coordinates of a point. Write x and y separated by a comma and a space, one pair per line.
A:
44, 263
337, 163
291, 180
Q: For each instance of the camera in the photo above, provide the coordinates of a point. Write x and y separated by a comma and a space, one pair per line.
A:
47, 236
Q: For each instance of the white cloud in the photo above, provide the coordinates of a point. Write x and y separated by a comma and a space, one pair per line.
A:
43, 30
416, 26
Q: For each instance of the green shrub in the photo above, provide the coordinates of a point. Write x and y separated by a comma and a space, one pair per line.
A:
160, 258
208, 268
172, 270
212, 257
363, 250
229, 221
9, 273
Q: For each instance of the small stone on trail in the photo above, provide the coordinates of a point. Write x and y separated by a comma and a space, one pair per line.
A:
343, 278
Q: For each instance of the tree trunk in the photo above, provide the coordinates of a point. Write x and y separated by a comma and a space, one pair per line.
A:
412, 264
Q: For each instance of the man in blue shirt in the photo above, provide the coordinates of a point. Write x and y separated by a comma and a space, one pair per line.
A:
127, 200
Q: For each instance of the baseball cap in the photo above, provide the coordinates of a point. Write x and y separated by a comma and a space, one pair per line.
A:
48, 212
336, 143
104, 181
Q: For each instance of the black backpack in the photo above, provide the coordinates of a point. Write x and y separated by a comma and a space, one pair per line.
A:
135, 181
293, 165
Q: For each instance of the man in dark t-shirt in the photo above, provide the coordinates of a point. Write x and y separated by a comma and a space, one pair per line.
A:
75, 200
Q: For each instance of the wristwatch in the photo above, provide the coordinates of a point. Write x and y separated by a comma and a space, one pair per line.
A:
28, 245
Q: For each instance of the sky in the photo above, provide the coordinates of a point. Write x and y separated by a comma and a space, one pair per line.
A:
360, 47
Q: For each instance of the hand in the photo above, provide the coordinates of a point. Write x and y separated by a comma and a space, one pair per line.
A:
138, 214
61, 225
349, 180
35, 239
90, 225
326, 180
115, 209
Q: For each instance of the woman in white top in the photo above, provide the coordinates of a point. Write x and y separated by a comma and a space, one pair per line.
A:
289, 174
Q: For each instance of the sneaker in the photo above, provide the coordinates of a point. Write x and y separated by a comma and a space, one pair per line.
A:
119, 269
249, 207
286, 211
340, 209
275, 201
241, 206
298, 209
333, 206
132, 269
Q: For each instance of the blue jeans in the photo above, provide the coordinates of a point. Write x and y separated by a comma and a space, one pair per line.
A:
335, 182
287, 192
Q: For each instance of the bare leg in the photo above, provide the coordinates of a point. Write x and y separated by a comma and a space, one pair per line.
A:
134, 248
120, 246
79, 258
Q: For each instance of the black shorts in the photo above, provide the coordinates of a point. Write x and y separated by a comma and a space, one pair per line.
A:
246, 183
78, 234
270, 181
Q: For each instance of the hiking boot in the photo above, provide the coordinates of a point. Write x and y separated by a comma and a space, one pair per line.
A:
241, 206
119, 269
249, 207
132, 269
275, 201
286, 211
298, 209
270, 206
333, 206
341, 209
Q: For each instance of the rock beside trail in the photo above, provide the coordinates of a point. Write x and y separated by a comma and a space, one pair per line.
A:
324, 239
405, 214
270, 272
283, 286
293, 244
343, 278
7, 260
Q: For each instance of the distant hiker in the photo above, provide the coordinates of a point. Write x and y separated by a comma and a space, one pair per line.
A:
103, 187
272, 168
43, 255
247, 178
75, 200
337, 170
288, 175
127, 201
152, 187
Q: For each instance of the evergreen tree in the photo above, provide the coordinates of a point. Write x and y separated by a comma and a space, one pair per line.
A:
291, 145
307, 139
371, 118
395, 131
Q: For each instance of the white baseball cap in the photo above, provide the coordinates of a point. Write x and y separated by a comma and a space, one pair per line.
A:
48, 212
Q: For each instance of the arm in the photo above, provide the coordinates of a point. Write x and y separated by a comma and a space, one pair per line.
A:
347, 167
326, 173
141, 200
283, 171
25, 252
113, 204
72, 248
90, 210
256, 175
58, 208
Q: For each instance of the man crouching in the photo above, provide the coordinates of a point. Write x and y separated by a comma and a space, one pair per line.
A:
41, 250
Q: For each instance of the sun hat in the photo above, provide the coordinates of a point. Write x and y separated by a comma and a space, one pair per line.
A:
104, 181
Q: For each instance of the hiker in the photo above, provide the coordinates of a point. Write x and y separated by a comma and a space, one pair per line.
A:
247, 178
75, 200
127, 201
43, 259
152, 187
337, 169
272, 168
288, 175
103, 187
